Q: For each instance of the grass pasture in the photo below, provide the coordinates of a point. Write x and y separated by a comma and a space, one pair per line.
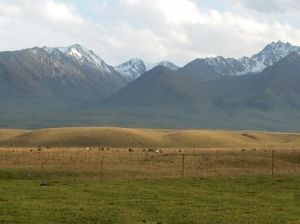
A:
254, 199
112, 175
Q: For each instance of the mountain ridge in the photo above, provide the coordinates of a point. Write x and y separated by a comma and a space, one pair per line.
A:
220, 66
266, 101
135, 67
50, 87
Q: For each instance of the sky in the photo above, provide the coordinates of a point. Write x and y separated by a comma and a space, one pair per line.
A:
153, 30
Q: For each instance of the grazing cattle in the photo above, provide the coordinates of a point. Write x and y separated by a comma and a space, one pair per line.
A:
130, 150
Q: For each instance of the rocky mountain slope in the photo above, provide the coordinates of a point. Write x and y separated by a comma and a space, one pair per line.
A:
263, 100
210, 68
47, 87
58, 74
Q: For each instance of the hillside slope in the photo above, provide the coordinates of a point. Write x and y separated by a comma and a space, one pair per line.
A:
140, 138
72, 86
263, 101
57, 77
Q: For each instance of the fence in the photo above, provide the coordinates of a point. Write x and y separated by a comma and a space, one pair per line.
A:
123, 164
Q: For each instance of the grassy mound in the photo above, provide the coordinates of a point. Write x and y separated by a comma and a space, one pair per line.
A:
125, 137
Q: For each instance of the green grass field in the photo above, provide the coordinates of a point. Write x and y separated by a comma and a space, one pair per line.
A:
66, 199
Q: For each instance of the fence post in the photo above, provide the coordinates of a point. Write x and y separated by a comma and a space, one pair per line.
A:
182, 167
101, 170
205, 168
42, 159
273, 158
17, 156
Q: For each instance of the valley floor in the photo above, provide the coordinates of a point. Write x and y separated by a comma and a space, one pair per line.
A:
256, 199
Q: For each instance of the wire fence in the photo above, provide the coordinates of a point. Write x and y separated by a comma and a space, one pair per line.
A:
131, 164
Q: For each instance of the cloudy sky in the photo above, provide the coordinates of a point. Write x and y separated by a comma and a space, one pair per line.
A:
154, 30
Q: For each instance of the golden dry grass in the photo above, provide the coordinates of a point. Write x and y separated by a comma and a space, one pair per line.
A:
122, 164
6, 134
81, 150
140, 138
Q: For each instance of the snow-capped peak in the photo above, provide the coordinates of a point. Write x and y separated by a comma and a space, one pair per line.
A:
135, 67
273, 52
132, 69
166, 64
80, 54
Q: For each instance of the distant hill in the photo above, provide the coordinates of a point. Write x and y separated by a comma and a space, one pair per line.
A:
144, 138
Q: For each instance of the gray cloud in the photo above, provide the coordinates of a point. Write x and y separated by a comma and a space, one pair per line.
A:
271, 6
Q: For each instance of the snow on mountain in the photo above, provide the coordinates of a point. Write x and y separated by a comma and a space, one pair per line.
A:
135, 67
132, 69
166, 64
271, 54
80, 54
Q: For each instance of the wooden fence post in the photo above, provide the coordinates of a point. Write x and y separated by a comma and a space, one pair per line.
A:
101, 170
273, 158
182, 167
42, 159
205, 168
17, 156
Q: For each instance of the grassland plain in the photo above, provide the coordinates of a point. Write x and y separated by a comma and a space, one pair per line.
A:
118, 175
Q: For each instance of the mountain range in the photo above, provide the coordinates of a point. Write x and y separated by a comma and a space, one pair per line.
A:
72, 86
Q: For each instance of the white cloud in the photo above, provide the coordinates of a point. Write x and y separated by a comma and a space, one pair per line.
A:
179, 11
202, 32
9, 9
59, 13
176, 30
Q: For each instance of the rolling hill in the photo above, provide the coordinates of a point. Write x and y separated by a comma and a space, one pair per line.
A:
143, 138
